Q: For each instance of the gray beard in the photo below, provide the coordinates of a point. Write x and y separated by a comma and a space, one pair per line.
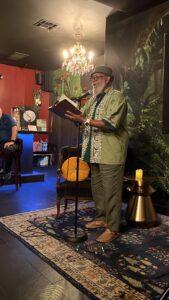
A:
98, 90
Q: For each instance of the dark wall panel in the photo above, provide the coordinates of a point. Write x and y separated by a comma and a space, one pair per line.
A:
47, 81
38, 78
165, 125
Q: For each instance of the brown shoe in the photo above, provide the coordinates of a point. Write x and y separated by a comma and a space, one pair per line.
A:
107, 236
95, 224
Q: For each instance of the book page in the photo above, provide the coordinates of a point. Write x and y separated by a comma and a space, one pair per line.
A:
63, 97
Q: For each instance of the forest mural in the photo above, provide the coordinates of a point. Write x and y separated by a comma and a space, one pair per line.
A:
138, 51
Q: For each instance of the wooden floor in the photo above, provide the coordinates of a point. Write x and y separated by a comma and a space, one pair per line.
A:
23, 275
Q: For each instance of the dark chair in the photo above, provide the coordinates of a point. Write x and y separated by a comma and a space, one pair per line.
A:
66, 190
16, 168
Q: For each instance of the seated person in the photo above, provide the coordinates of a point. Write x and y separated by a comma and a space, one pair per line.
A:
8, 134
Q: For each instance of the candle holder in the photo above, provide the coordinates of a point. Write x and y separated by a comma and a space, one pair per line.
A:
140, 211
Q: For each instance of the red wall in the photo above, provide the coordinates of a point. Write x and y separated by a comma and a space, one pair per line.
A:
16, 89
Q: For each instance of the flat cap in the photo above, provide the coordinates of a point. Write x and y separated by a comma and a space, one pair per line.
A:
103, 70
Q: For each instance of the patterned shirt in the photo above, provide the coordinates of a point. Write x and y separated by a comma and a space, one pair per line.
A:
108, 146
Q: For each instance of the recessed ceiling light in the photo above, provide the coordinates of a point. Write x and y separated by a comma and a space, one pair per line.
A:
17, 56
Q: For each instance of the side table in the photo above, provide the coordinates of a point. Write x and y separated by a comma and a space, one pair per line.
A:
140, 210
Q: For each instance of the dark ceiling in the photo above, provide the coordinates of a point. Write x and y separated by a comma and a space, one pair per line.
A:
132, 6
39, 47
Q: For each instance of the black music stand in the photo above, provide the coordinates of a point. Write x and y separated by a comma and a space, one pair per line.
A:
76, 235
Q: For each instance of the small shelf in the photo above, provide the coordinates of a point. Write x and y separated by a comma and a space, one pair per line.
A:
43, 154
34, 132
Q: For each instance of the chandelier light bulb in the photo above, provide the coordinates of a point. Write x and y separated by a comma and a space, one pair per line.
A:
72, 50
83, 50
90, 55
65, 54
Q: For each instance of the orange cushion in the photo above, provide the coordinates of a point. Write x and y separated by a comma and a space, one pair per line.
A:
69, 169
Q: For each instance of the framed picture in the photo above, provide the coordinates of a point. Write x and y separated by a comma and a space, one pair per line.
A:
28, 116
41, 124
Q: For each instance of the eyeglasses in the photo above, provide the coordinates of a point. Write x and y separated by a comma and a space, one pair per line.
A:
95, 78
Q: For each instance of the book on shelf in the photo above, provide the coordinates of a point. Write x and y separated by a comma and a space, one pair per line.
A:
41, 124
32, 128
64, 104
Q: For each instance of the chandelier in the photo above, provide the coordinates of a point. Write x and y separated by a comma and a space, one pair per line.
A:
76, 61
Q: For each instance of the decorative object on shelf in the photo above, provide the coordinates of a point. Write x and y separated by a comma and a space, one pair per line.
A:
15, 112
76, 61
32, 127
41, 124
40, 146
37, 96
44, 146
28, 116
139, 174
37, 146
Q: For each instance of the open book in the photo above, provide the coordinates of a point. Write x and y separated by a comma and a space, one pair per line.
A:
63, 105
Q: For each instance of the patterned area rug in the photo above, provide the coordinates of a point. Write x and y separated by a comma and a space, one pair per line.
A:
135, 266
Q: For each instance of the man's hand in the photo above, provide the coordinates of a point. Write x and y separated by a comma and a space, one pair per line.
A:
8, 144
74, 117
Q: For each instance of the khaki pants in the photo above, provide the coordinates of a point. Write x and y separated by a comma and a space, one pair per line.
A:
106, 182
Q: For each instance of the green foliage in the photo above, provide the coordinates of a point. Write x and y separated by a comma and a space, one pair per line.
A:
143, 54
148, 148
148, 145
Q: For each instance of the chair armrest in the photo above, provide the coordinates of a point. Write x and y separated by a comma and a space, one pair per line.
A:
58, 174
19, 143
